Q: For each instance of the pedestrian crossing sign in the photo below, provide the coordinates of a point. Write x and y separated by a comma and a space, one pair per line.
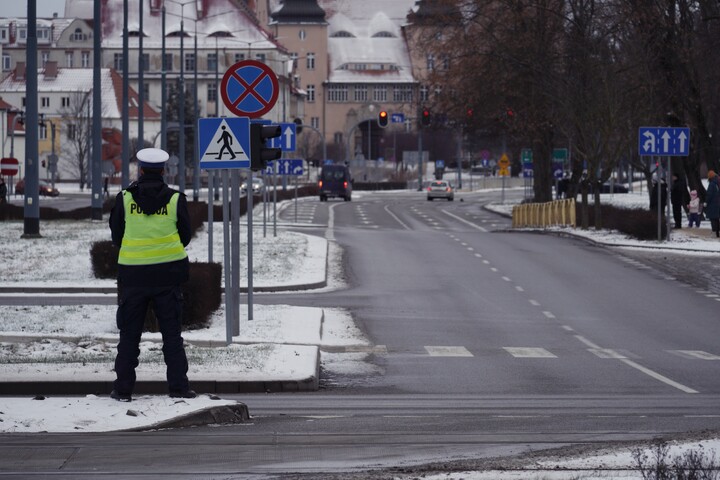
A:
224, 142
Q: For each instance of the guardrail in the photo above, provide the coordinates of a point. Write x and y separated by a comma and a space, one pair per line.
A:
556, 213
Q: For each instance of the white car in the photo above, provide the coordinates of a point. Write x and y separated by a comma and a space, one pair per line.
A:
257, 187
440, 189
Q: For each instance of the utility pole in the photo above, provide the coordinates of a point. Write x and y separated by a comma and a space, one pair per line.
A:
31, 225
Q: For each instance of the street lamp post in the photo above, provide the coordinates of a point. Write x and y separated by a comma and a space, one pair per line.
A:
141, 81
126, 104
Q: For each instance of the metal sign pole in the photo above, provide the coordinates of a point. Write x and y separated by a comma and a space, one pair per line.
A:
228, 277
296, 197
211, 206
265, 202
659, 202
235, 185
249, 197
275, 164
669, 197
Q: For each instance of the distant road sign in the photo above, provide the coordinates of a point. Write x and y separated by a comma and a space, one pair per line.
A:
287, 141
504, 164
666, 141
9, 166
224, 142
286, 166
397, 118
249, 89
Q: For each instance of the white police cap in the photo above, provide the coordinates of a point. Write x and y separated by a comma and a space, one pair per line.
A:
152, 157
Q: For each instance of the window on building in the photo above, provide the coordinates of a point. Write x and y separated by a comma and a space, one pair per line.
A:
42, 131
45, 102
315, 122
146, 91
65, 102
190, 62
337, 93
85, 59
380, 93
77, 36
361, 93
338, 137
23, 101
6, 62
71, 131
311, 93
239, 57
402, 93
311, 61
69, 59
260, 57
302, 34
146, 62
430, 61
44, 58
212, 93
294, 58
3, 35
446, 62
22, 34
212, 61
424, 93
118, 62
43, 34
168, 62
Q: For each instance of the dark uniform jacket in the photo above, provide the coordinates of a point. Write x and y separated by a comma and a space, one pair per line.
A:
151, 193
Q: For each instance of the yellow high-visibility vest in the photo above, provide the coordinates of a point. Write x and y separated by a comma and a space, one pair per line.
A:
150, 239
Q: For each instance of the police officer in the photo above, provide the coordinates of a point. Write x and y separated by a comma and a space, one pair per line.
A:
151, 226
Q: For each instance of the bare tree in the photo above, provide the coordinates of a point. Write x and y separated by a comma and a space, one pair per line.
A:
78, 130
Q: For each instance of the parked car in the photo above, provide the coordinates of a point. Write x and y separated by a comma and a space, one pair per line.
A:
258, 186
45, 189
440, 189
335, 181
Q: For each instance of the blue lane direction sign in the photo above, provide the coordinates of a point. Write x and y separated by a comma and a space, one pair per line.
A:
224, 142
664, 141
397, 118
287, 140
286, 166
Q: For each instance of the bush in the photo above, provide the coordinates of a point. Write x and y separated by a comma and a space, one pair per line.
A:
636, 222
657, 464
104, 257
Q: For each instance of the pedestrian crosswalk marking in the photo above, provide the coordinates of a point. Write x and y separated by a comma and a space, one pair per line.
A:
442, 351
529, 352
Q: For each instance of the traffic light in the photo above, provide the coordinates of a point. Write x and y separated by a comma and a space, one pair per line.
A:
260, 154
383, 119
469, 113
425, 117
298, 127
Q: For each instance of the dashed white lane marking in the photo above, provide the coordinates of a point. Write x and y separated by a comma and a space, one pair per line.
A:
486, 262
645, 370
470, 249
534, 302
440, 351
506, 279
493, 269
606, 353
478, 255
519, 288
568, 328
695, 354
529, 352
549, 314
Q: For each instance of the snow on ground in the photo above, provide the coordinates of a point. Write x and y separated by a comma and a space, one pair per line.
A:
87, 332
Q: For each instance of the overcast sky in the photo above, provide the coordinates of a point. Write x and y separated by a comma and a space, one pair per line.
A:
45, 8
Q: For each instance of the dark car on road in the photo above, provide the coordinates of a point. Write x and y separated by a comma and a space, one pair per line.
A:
45, 189
335, 181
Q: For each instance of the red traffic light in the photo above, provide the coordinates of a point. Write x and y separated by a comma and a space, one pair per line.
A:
469, 112
425, 117
383, 119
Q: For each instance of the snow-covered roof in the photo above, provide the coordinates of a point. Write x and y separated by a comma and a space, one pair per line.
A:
373, 49
221, 16
79, 80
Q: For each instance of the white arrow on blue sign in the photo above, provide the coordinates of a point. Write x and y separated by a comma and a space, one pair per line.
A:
286, 166
668, 141
286, 141
397, 118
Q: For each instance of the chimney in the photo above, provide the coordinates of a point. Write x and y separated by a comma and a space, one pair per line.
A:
51, 70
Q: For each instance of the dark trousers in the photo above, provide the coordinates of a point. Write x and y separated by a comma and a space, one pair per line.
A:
132, 308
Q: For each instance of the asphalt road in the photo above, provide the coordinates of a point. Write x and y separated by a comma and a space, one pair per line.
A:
485, 343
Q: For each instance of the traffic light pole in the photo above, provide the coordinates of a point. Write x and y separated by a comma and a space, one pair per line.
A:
420, 159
